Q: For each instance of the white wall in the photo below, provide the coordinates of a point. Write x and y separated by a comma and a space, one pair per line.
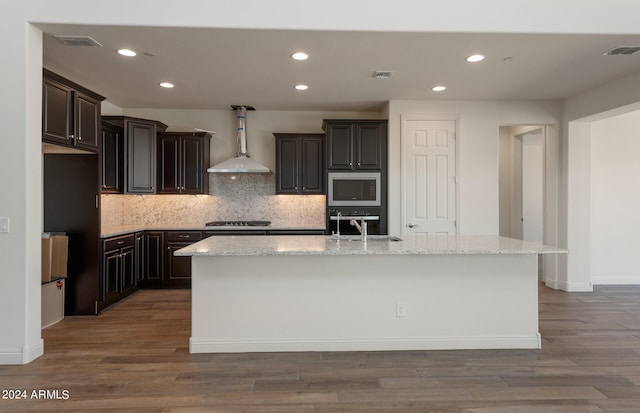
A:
478, 152
615, 200
574, 205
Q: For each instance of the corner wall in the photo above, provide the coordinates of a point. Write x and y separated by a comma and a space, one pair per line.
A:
611, 99
615, 200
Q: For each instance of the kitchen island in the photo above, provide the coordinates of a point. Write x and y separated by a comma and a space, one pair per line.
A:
322, 293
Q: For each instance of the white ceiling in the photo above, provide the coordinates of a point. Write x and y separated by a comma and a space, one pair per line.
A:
214, 68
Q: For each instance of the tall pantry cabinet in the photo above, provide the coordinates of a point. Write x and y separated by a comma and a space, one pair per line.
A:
71, 140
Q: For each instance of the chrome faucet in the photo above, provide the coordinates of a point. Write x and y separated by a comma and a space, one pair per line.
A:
362, 227
337, 233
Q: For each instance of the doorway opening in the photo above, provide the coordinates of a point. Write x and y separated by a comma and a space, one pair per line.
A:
523, 182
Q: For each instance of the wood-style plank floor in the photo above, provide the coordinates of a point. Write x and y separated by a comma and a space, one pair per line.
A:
134, 358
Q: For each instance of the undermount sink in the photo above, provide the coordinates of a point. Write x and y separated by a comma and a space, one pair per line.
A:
372, 238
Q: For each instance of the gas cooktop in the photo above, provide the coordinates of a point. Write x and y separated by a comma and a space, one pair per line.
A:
238, 223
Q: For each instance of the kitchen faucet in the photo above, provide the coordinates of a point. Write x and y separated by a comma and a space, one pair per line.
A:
337, 233
362, 227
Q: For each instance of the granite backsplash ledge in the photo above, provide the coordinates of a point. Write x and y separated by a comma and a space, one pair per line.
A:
233, 197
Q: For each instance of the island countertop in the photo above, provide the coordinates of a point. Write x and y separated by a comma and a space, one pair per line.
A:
351, 245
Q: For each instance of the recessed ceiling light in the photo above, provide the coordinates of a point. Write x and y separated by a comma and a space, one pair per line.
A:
167, 85
126, 52
475, 58
302, 87
300, 56
439, 88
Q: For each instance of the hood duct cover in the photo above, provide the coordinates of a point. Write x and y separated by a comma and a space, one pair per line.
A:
242, 163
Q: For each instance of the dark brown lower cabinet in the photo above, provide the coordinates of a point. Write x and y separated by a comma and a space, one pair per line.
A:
153, 259
118, 269
177, 272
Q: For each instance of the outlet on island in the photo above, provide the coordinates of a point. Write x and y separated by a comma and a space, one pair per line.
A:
401, 309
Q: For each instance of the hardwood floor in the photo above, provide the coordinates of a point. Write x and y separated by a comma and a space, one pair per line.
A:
134, 358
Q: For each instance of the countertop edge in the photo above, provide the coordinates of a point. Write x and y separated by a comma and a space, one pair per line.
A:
326, 246
109, 232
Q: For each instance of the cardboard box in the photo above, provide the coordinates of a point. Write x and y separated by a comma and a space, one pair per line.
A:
55, 251
52, 302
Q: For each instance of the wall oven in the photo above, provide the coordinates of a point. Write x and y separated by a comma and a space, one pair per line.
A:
340, 220
355, 189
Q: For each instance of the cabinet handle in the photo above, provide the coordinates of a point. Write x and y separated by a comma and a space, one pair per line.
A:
358, 163
184, 236
350, 163
79, 138
120, 242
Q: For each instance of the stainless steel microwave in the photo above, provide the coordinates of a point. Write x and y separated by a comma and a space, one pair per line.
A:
353, 189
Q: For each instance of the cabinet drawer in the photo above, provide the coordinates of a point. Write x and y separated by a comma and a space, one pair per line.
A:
184, 236
119, 242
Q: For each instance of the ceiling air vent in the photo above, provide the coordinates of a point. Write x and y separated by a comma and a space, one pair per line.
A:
623, 50
78, 41
383, 74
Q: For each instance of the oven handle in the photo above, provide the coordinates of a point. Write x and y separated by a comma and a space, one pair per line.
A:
350, 217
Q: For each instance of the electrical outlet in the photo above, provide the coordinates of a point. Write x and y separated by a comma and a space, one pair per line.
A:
401, 309
4, 225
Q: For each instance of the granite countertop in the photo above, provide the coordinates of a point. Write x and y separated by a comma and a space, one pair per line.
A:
351, 245
113, 231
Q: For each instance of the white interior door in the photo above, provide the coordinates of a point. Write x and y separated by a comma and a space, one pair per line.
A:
428, 166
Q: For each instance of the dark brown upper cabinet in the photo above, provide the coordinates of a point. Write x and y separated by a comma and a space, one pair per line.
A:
355, 144
70, 113
140, 146
112, 159
183, 159
300, 163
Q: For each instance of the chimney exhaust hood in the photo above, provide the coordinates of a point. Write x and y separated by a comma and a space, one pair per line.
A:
242, 163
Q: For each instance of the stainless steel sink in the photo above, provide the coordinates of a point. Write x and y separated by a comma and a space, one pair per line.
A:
370, 238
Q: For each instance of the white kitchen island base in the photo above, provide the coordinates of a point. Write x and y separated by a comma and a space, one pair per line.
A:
344, 302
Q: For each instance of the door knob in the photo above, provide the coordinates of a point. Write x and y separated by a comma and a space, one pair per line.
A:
412, 225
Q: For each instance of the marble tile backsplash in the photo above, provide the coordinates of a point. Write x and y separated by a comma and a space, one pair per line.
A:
232, 197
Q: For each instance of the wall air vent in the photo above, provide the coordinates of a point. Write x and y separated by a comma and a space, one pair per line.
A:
622, 50
78, 41
383, 74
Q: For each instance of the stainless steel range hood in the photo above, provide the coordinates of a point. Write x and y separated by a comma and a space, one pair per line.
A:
242, 163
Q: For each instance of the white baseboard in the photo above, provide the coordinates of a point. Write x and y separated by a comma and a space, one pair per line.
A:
571, 287
22, 355
462, 343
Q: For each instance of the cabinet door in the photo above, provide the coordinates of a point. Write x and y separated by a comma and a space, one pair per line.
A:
369, 138
287, 165
154, 253
139, 256
128, 269
56, 112
169, 181
178, 269
87, 122
340, 146
311, 167
112, 162
141, 157
111, 277
192, 165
